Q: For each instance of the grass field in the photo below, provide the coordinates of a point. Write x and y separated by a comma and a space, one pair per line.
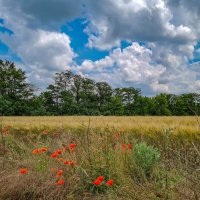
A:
142, 157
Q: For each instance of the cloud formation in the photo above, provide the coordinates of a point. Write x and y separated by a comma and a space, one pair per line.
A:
167, 28
145, 20
36, 40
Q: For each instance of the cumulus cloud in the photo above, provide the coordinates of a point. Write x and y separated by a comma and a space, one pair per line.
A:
43, 52
46, 14
36, 40
113, 21
130, 66
153, 68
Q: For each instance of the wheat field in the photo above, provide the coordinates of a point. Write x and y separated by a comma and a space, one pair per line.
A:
135, 157
122, 122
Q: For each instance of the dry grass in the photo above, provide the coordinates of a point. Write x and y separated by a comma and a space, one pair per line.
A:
99, 152
125, 123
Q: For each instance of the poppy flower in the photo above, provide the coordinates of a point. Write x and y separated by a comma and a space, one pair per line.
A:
72, 145
72, 163
101, 178
39, 151
60, 172
58, 151
65, 148
54, 155
66, 162
23, 171
109, 183
130, 146
35, 151
97, 182
123, 146
60, 182
44, 149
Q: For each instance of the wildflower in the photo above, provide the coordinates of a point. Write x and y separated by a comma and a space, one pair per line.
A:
58, 151
60, 172
65, 148
60, 182
72, 163
66, 162
54, 155
101, 178
109, 183
39, 151
35, 151
97, 182
130, 146
123, 146
72, 146
23, 171
44, 149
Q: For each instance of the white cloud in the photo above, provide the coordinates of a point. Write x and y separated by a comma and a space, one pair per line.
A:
113, 21
42, 49
130, 66
158, 69
43, 53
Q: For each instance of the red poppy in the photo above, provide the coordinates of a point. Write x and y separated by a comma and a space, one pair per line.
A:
54, 155
66, 162
101, 178
130, 146
44, 149
58, 151
72, 145
66, 148
39, 151
109, 183
97, 182
35, 151
60, 172
72, 163
123, 146
60, 182
23, 171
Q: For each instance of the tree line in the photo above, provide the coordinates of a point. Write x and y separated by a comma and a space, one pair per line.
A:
72, 94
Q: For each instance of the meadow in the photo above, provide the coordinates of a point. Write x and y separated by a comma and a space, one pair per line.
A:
81, 157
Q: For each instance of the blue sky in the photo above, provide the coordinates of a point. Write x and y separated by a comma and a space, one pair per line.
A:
153, 45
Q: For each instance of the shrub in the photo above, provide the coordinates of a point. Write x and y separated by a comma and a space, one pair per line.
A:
146, 157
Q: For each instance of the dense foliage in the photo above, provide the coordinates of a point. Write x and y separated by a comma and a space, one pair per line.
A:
72, 94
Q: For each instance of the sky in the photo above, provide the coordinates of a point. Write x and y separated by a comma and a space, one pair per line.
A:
149, 44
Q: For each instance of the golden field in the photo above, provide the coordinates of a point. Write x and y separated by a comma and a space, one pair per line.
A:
182, 123
145, 157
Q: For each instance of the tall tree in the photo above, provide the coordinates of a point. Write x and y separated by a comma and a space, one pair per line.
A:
104, 94
15, 89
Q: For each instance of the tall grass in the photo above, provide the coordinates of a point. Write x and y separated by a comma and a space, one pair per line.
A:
102, 150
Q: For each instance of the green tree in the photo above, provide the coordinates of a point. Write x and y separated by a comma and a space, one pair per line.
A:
104, 94
14, 90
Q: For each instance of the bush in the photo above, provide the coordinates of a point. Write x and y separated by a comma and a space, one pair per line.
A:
146, 157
